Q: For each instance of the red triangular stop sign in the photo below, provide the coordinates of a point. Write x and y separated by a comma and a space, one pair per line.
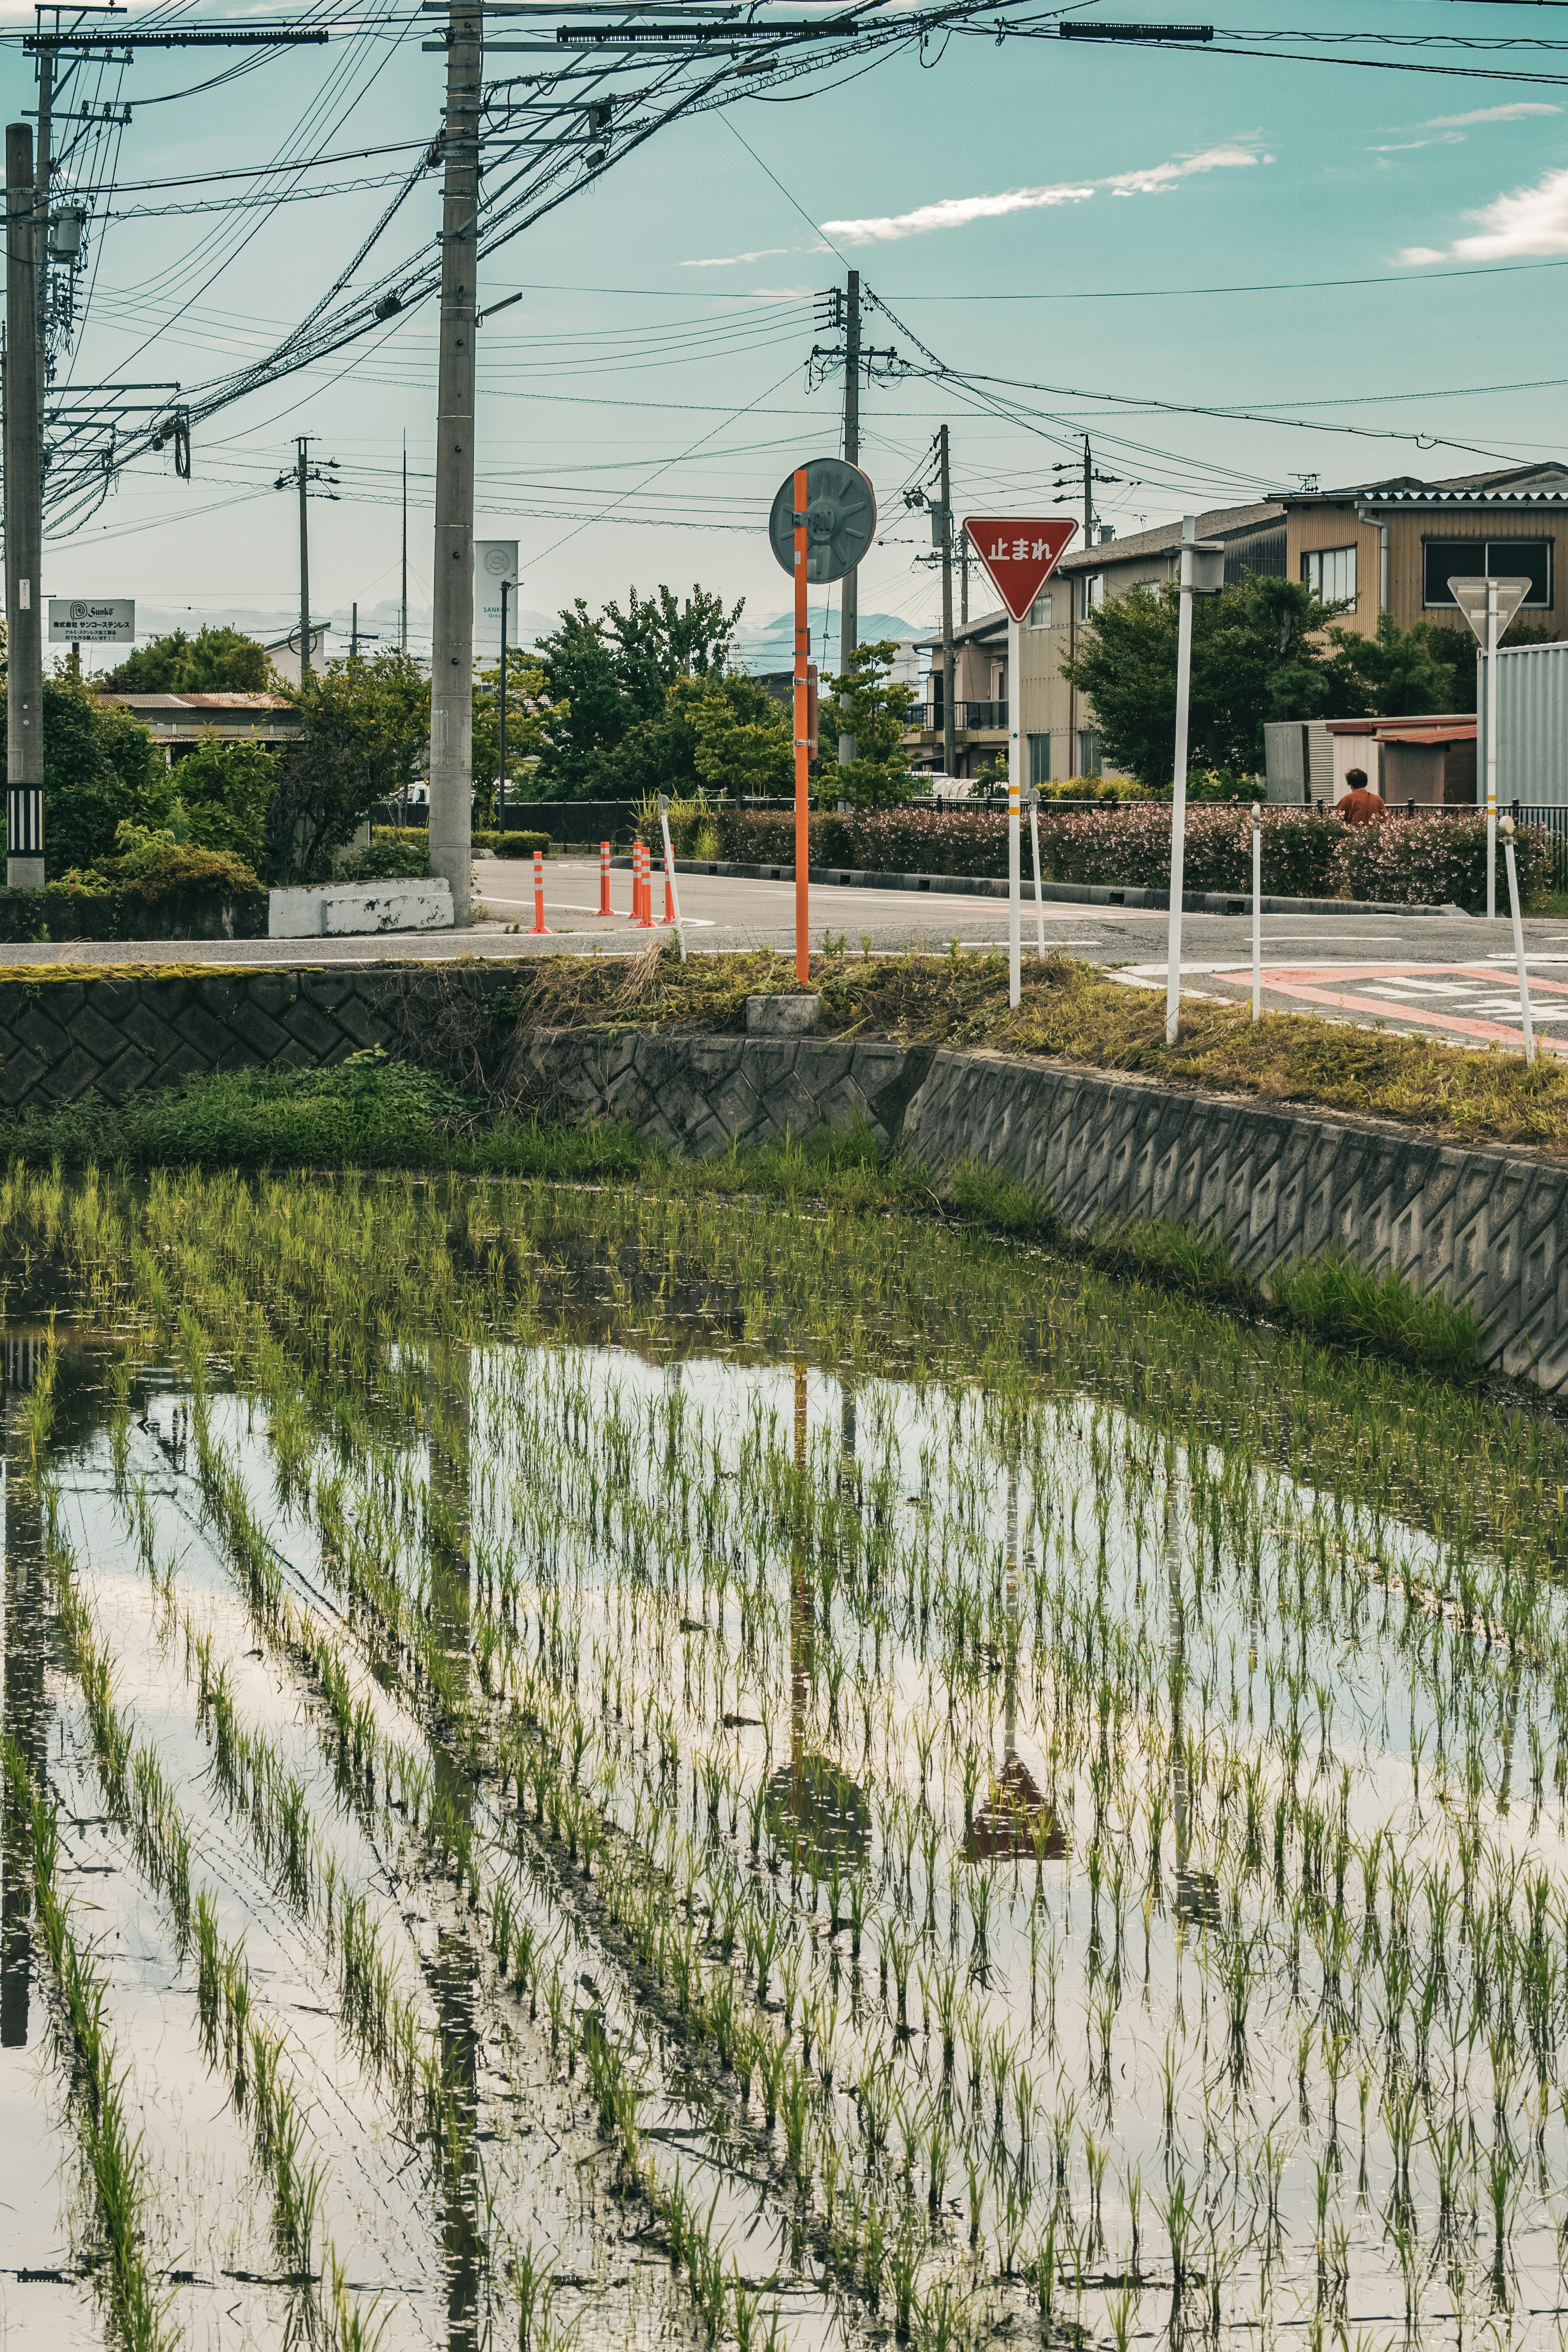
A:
1021, 552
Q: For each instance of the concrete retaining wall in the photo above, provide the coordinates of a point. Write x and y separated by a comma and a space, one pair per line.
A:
1486, 1227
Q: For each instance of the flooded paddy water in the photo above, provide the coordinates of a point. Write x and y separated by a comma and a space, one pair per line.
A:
582, 1768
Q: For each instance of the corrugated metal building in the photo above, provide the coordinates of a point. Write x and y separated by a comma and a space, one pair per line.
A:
1532, 725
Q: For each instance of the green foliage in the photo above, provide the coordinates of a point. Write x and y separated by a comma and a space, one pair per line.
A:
226, 792
214, 661
530, 723
1261, 650
369, 1112
877, 714
605, 677
365, 737
389, 857
149, 863
100, 765
1334, 1299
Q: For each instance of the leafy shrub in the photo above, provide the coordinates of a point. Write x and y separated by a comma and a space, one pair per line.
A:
1307, 854
387, 859
521, 844
152, 864
226, 792
1440, 861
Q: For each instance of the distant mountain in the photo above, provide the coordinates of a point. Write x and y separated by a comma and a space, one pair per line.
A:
772, 647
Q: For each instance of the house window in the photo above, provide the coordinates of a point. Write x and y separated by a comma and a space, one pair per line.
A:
1330, 574
1040, 758
1090, 592
1088, 751
1040, 611
1443, 560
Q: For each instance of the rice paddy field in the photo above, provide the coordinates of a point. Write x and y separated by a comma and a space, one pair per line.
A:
589, 1767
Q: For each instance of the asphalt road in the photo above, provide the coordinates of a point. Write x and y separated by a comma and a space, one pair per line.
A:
1444, 975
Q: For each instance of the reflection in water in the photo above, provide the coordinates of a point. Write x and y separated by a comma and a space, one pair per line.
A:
452, 1977
23, 1684
815, 1810
1197, 1891
1016, 1824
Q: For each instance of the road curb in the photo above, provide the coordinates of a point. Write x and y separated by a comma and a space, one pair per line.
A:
1079, 894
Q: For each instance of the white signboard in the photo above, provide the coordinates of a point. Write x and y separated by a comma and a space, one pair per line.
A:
92, 620
495, 559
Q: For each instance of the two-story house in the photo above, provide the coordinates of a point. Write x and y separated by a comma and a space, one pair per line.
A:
1386, 546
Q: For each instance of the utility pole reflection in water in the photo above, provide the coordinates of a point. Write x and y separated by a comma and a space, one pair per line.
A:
815, 1810
453, 1977
24, 1686
1017, 1822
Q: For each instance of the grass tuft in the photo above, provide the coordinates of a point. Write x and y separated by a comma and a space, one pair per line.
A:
1333, 1298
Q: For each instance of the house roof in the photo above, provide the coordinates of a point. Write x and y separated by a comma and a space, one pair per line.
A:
1545, 483
1221, 522
214, 702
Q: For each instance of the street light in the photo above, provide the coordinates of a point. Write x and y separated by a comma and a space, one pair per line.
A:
1202, 574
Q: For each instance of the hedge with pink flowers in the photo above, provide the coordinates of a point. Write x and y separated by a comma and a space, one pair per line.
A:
1423, 860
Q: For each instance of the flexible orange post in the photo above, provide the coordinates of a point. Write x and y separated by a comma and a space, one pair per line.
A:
604, 906
669, 893
802, 807
541, 928
643, 917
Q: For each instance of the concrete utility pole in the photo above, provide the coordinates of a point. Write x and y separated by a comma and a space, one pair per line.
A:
452, 644
24, 523
949, 723
402, 606
41, 184
964, 560
302, 475
1088, 495
849, 592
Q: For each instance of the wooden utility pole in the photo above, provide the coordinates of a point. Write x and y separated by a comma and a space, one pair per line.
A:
949, 725
451, 644
24, 522
849, 592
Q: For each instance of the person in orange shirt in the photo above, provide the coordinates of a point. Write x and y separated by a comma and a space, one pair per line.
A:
1358, 806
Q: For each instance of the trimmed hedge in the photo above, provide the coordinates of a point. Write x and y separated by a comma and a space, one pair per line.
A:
1421, 860
66, 910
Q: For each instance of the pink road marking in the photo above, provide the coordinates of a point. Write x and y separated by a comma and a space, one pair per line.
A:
1305, 982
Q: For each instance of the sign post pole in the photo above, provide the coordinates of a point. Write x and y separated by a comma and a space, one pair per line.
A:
803, 803
1491, 748
1015, 843
1020, 554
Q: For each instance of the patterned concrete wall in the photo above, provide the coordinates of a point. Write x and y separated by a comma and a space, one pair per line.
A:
59, 1037
1486, 1226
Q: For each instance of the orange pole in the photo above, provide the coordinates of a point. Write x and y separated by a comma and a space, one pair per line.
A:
541, 928
643, 913
669, 893
802, 809
604, 906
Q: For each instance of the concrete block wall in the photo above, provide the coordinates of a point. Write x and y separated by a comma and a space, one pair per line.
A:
60, 1037
1486, 1227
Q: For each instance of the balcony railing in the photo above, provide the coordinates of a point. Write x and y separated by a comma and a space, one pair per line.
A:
968, 717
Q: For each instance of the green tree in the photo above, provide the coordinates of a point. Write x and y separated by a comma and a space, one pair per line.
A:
876, 715
530, 722
225, 794
605, 677
364, 737
718, 728
1261, 650
214, 661
101, 768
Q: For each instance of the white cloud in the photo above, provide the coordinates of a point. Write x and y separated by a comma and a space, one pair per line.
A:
956, 212
733, 260
1513, 113
1530, 221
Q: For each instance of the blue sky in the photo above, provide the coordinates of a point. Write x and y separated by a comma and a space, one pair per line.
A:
1034, 211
